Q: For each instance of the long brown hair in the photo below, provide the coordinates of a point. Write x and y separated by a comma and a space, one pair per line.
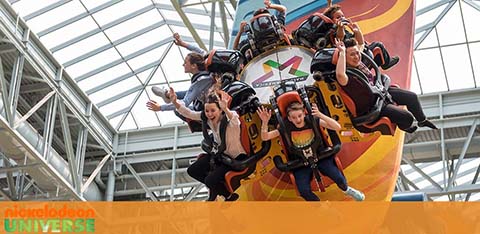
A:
197, 59
212, 97
331, 10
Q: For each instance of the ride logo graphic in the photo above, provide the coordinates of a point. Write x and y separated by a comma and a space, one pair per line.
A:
280, 64
268, 66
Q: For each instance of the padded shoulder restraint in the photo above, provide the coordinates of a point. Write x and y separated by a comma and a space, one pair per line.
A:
223, 127
201, 76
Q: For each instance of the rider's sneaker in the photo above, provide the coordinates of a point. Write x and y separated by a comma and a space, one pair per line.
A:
161, 92
357, 195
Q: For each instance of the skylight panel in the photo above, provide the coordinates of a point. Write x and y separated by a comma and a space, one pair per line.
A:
457, 66
54, 16
89, 44
100, 60
430, 70
69, 32
450, 28
119, 10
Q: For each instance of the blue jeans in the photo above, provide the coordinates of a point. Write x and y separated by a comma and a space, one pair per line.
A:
180, 94
327, 167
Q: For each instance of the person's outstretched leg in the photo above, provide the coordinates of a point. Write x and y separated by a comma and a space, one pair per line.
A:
303, 176
200, 168
329, 168
403, 118
215, 181
410, 99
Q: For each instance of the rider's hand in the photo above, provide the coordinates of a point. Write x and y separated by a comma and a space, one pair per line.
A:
340, 45
177, 39
153, 105
224, 99
315, 111
264, 114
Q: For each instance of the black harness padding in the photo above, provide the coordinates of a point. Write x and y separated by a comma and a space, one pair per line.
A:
214, 148
209, 145
319, 148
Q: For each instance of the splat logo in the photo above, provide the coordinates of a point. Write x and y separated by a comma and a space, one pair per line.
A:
294, 73
48, 219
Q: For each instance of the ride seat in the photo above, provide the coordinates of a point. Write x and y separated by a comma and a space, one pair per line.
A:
264, 33
316, 32
364, 116
369, 121
233, 178
382, 124
282, 103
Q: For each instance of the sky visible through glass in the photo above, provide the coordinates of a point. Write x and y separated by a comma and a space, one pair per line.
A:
113, 48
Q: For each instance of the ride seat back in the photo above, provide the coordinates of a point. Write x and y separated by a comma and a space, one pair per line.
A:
282, 102
285, 99
267, 33
360, 105
233, 178
315, 32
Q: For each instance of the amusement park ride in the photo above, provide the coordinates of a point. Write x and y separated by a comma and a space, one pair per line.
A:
367, 148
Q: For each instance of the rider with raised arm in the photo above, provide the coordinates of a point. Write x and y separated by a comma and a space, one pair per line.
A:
302, 134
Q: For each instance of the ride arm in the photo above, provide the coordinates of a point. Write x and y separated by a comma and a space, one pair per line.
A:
239, 165
289, 166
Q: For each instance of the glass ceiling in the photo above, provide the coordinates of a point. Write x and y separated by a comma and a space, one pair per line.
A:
116, 50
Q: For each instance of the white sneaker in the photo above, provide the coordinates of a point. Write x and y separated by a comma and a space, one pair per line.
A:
161, 92
357, 195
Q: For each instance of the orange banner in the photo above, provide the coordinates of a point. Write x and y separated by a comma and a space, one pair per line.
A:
239, 217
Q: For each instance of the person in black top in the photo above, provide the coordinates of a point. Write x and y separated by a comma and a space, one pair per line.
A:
349, 56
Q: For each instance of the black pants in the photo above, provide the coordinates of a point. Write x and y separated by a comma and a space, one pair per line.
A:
403, 118
213, 179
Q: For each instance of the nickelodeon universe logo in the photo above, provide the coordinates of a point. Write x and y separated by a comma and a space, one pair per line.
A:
268, 66
49, 220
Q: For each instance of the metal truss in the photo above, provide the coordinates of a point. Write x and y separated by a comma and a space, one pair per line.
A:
43, 158
457, 116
